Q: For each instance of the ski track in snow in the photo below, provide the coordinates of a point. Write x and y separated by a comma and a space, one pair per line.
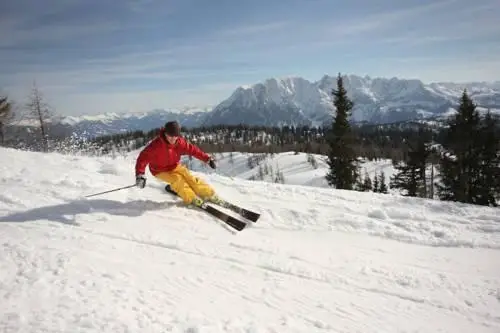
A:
318, 260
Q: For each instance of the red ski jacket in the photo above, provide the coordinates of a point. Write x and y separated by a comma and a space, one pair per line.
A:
163, 156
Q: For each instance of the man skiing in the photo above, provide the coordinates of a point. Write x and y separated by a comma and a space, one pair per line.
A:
163, 155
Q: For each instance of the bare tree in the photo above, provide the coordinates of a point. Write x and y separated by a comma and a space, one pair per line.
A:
38, 110
6, 116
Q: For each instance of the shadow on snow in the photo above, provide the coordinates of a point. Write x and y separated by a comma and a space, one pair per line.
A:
66, 212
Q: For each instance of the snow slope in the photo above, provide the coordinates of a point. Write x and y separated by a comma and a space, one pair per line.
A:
319, 260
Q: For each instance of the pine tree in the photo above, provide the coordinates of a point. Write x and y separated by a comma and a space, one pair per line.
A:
407, 176
342, 161
376, 184
431, 182
382, 187
460, 166
422, 154
411, 171
37, 109
365, 184
489, 182
359, 186
6, 115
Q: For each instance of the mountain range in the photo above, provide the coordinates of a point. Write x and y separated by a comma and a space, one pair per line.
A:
297, 101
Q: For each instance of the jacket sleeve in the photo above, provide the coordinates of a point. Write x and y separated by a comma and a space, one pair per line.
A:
192, 150
143, 160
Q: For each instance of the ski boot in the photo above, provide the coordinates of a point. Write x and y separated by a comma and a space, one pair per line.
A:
197, 202
215, 199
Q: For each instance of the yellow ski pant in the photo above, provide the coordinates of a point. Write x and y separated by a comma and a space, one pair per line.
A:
185, 184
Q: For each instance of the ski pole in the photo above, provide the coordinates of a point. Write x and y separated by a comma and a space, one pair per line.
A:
116, 189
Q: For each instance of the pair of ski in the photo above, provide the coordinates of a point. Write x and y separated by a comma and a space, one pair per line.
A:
233, 222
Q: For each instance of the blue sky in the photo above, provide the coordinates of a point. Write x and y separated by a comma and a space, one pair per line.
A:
96, 56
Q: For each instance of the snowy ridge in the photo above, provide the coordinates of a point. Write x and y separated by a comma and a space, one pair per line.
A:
318, 260
109, 117
114, 123
295, 100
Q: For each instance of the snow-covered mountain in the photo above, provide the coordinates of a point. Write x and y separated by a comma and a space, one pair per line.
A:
485, 94
294, 100
297, 101
318, 260
275, 102
114, 123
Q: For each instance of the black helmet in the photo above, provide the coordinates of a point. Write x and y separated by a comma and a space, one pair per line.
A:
172, 128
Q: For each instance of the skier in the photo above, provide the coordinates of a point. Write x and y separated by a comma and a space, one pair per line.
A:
163, 155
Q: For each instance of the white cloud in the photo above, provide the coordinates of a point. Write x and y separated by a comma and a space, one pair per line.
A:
457, 25
71, 20
380, 22
436, 69
431, 23
54, 33
103, 77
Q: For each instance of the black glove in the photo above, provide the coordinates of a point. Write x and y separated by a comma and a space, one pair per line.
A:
211, 162
140, 181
